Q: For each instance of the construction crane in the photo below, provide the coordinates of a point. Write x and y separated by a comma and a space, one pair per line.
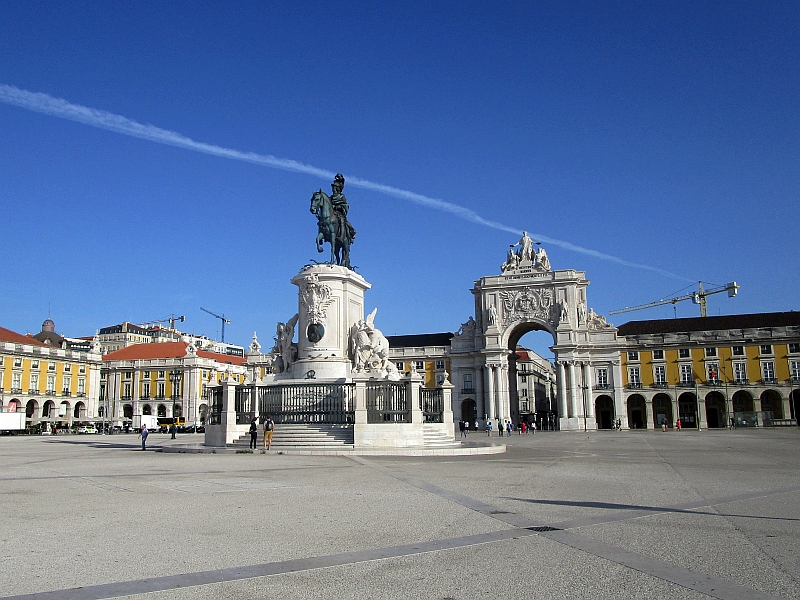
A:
698, 297
170, 319
221, 318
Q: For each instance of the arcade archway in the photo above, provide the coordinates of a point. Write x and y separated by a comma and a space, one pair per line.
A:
604, 411
771, 402
531, 375
636, 411
716, 415
687, 410
662, 410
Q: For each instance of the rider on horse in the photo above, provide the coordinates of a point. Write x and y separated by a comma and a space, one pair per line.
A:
340, 207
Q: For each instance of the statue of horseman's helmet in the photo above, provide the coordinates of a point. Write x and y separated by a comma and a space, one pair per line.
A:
338, 184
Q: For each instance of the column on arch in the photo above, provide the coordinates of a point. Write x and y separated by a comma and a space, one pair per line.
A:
490, 391
480, 397
587, 381
573, 391
561, 384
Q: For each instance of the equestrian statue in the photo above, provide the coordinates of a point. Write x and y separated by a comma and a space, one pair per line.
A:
334, 227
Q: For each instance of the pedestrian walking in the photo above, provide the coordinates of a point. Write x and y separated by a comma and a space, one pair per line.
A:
253, 433
476, 424
500, 428
462, 428
524, 428
172, 430
533, 428
509, 428
488, 428
143, 434
678, 425
269, 427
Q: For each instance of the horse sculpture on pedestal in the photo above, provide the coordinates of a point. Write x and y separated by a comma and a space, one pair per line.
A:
334, 227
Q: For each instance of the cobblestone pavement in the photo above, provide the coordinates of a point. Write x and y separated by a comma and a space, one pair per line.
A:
559, 515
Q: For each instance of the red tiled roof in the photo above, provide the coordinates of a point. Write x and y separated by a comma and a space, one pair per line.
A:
6, 335
167, 350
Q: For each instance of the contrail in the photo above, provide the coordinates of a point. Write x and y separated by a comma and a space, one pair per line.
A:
58, 107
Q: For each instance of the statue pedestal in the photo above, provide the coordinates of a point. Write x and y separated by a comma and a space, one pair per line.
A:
330, 301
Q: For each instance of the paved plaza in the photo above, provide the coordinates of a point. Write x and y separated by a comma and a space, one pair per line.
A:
559, 515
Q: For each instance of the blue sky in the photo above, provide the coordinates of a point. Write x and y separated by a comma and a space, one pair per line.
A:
665, 134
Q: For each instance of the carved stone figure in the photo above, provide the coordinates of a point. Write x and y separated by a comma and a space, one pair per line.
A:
527, 303
467, 328
541, 260
525, 252
595, 321
581, 313
369, 349
492, 315
512, 261
332, 223
564, 312
284, 348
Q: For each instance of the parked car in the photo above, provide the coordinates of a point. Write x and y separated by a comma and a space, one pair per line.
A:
201, 429
86, 429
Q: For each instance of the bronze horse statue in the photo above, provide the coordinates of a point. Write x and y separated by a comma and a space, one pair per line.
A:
334, 228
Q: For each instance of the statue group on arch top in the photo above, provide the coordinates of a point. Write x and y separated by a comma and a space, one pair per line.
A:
526, 257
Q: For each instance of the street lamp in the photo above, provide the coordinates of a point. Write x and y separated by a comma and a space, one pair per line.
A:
104, 399
175, 377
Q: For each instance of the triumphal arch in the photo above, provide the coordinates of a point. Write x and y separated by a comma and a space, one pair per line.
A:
530, 295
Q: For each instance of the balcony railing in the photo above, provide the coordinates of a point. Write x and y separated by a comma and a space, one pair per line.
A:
603, 386
794, 378
686, 383
16, 390
50, 393
635, 385
741, 381
713, 382
467, 390
33, 392
769, 380
81, 395
660, 384
66, 393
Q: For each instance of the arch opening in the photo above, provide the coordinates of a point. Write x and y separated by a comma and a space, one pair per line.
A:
662, 410
637, 411
604, 412
531, 376
716, 416
687, 410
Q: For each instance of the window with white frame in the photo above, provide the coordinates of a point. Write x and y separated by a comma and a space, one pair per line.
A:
16, 382
633, 355
711, 352
399, 366
794, 348
161, 389
82, 386
127, 392
34, 383
67, 384
768, 370
146, 374
439, 379
766, 349
660, 374
34, 364
738, 350
712, 371
51, 384
51, 366
82, 369
439, 365
162, 374
17, 362
523, 393
739, 371
419, 365
602, 378
684, 353
658, 355
67, 368
523, 378
686, 374
633, 376
794, 370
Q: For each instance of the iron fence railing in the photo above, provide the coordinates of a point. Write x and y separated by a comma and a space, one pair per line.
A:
329, 403
387, 402
213, 398
432, 401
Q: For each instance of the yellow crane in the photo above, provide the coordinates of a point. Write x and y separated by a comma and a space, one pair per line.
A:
698, 297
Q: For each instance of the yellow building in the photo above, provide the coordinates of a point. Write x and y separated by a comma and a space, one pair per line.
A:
712, 371
54, 386
427, 353
164, 380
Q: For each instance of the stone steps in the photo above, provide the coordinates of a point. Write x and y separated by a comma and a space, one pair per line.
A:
303, 436
434, 437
